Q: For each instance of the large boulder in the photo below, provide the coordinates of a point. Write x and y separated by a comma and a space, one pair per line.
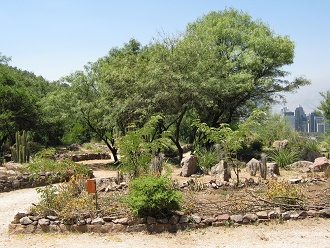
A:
189, 166
273, 169
253, 166
222, 170
312, 155
302, 163
280, 144
320, 164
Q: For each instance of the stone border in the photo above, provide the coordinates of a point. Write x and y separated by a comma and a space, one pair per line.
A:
25, 223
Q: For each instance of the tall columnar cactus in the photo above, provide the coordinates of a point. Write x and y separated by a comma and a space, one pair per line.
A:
21, 150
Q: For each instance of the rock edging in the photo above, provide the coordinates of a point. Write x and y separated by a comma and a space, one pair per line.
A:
25, 223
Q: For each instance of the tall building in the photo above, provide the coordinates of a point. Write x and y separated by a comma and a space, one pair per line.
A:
311, 122
289, 116
301, 123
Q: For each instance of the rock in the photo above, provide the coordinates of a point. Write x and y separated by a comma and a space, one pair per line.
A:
320, 164
184, 219
280, 144
253, 166
209, 220
196, 219
25, 221
312, 155
162, 221
97, 221
136, 221
305, 170
325, 212
222, 170
34, 218
273, 215
52, 217
81, 222
303, 215
249, 218
312, 213
123, 221
151, 220
286, 216
44, 222
188, 165
295, 180
18, 216
273, 169
222, 217
137, 228
237, 218
262, 215
302, 164
174, 219
214, 185
16, 184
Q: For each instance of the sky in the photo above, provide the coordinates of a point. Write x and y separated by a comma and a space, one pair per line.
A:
54, 38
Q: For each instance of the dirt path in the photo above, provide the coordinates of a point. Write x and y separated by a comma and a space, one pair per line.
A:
305, 233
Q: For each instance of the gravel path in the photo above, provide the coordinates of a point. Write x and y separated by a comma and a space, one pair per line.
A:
304, 233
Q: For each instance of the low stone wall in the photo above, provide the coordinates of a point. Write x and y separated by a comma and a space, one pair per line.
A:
27, 223
76, 157
9, 183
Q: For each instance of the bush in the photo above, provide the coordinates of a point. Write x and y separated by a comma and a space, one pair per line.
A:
69, 200
153, 196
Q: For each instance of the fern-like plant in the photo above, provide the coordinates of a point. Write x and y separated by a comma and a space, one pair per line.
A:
284, 157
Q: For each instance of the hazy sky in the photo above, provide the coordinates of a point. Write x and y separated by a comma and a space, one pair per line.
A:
53, 38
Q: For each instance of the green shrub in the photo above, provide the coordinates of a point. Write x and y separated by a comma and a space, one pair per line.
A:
153, 196
284, 157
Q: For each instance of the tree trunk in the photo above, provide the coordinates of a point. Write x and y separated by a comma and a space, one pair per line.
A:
113, 150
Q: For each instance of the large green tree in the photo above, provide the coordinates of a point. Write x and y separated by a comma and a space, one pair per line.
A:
20, 92
240, 65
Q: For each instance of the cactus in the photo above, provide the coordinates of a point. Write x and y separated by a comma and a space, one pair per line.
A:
20, 152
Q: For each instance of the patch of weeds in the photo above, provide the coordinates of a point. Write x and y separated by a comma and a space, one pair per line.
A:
284, 192
223, 192
260, 191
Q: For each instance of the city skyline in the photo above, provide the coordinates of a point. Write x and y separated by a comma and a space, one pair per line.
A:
308, 123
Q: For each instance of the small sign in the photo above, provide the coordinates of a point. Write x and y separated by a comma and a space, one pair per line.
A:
91, 186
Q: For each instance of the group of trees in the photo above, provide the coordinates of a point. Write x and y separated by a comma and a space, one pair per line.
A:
222, 67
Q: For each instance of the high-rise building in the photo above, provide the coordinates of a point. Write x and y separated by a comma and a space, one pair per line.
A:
289, 116
311, 122
301, 123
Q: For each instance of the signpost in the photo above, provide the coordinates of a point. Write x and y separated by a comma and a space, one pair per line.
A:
91, 188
